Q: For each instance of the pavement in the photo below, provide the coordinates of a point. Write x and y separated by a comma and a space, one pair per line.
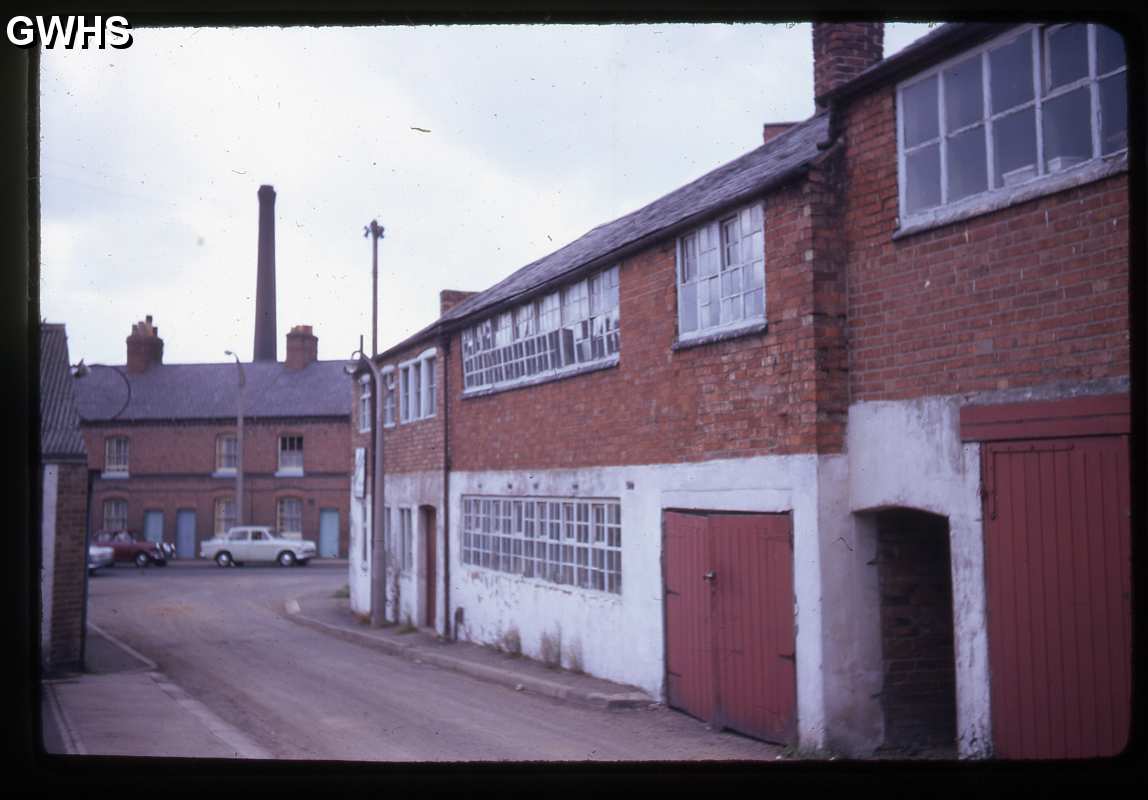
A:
333, 616
84, 713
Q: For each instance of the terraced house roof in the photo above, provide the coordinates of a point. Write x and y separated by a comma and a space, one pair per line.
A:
210, 391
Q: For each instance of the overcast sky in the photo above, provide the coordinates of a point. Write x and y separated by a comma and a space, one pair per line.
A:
151, 158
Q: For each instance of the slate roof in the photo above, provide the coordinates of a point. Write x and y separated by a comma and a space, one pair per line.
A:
747, 176
59, 424
209, 391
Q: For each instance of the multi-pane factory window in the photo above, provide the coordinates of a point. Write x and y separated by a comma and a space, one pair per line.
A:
548, 337
564, 541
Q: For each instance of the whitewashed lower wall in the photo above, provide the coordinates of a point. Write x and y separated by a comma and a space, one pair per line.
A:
909, 454
401, 490
621, 637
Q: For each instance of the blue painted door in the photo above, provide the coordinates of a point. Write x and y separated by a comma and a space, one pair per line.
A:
329, 533
185, 533
153, 526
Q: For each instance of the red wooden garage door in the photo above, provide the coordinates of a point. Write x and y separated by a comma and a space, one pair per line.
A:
1057, 556
729, 621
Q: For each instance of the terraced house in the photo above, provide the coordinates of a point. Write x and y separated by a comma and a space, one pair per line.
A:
829, 446
182, 452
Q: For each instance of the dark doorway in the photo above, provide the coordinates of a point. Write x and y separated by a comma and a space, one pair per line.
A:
918, 695
430, 540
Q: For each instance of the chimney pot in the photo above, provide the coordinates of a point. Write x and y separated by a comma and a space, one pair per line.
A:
302, 347
145, 348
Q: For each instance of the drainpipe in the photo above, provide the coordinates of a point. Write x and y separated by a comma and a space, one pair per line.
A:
444, 345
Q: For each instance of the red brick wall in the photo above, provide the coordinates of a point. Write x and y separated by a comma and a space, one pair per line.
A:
171, 466
918, 694
71, 562
407, 446
1033, 294
190, 448
752, 395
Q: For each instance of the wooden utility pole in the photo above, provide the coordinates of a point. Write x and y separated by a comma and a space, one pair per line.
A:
375, 231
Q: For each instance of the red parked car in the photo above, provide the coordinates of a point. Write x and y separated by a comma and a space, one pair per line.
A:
130, 547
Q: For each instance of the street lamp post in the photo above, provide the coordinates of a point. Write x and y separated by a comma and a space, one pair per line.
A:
378, 540
239, 442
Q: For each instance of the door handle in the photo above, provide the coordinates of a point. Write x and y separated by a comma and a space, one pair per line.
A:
710, 576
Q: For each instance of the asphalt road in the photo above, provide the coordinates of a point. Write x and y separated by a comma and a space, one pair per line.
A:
221, 636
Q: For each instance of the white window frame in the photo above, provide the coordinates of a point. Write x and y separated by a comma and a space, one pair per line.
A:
418, 385
222, 454
998, 193
390, 395
288, 467
282, 517
117, 456
736, 270
568, 541
365, 415
115, 514
570, 330
224, 520
406, 539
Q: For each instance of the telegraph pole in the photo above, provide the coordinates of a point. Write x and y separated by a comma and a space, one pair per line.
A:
375, 231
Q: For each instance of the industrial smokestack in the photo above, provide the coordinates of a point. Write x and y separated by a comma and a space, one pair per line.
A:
265, 346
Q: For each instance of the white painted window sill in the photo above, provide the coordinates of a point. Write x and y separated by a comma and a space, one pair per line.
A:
115, 475
224, 473
758, 326
535, 380
293, 472
1003, 198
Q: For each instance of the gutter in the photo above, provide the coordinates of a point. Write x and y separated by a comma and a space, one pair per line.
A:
444, 346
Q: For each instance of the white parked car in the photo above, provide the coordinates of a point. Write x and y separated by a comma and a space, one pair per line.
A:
256, 543
100, 556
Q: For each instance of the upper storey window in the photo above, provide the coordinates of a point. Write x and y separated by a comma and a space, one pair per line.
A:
116, 451
417, 380
548, 337
721, 275
1028, 105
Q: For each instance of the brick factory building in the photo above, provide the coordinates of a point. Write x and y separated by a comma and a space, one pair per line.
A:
829, 446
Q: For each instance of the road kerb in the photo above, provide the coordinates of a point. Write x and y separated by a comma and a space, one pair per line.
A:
503, 677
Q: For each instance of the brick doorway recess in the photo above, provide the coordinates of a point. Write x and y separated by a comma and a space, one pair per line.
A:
918, 692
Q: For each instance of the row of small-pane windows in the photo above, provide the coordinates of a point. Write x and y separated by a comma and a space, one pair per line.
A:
226, 452
721, 274
569, 542
1026, 106
576, 325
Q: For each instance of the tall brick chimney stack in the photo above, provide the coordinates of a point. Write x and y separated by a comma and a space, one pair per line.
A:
145, 348
449, 298
843, 50
302, 347
265, 344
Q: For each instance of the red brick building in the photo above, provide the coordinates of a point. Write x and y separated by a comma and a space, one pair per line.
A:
163, 440
780, 447
64, 492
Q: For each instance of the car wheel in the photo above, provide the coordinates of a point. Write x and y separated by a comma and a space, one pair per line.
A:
224, 559
142, 559
286, 559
